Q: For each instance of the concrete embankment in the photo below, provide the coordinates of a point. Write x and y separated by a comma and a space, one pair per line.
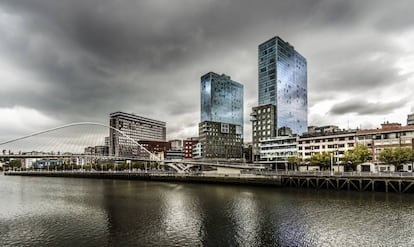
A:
247, 179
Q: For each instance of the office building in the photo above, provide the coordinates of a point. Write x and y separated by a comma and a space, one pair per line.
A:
275, 151
263, 120
221, 99
136, 128
283, 83
330, 139
197, 151
390, 135
189, 145
176, 144
220, 140
158, 148
221, 127
410, 119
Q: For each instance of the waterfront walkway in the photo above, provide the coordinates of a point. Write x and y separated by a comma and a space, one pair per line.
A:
376, 182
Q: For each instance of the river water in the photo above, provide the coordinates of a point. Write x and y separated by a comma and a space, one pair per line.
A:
36, 211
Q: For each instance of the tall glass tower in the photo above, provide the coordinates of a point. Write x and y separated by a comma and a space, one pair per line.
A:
221, 99
283, 83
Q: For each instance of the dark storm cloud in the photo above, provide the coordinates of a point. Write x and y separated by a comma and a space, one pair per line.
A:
362, 107
93, 57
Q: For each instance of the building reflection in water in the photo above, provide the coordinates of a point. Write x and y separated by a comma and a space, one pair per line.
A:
245, 214
182, 217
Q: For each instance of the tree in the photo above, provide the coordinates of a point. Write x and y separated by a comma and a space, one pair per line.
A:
293, 161
358, 155
402, 156
15, 163
321, 159
396, 156
386, 156
412, 156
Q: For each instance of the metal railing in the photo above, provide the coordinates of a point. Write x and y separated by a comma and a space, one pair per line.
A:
329, 173
261, 173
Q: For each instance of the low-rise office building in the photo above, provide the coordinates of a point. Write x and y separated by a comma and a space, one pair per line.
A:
390, 135
174, 154
221, 140
188, 147
276, 151
197, 151
264, 126
410, 119
329, 139
137, 128
158, 148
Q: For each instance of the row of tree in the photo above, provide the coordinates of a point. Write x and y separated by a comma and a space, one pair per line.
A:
360, 154
16, 163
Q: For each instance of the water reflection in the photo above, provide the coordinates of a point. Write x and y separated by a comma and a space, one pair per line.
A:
34, 212
182, 217
247, 219
70, 212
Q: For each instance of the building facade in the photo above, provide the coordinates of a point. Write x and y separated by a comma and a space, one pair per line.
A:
176, 144
390, 135
189, 144
276, 151
410, 119
220, 140
135, 127
329, 139
221, 99
174, 154
158, 148
263, 120
283, 83
197, 151
221, 127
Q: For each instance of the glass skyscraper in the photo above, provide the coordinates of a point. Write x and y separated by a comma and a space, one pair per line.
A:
221, 99
283, 83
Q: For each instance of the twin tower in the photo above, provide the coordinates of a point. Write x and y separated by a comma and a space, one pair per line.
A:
282, 107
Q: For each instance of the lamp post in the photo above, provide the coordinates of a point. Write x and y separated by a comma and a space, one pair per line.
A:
331, 162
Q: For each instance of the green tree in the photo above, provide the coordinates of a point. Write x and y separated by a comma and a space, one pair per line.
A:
321, 159
412, 156
396, 156
386, 156
358, 155
293, 161
15, 163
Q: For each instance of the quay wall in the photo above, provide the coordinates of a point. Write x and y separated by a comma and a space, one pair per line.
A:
350, 182
166, 177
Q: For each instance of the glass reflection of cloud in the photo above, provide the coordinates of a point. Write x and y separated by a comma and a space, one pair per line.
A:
182, 217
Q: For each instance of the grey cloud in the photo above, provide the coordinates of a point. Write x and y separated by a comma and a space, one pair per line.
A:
94, 57
362, 107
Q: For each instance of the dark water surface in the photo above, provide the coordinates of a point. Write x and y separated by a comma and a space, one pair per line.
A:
36, 211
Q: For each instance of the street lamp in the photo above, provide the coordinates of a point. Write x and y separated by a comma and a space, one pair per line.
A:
331, 162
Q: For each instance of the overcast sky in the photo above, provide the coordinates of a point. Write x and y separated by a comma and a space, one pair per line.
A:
64, 61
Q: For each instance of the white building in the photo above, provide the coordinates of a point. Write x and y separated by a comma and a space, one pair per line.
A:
276, 151
331, 140
197, 151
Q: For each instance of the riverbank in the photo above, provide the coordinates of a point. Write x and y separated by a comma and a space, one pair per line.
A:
372, 182
246, 179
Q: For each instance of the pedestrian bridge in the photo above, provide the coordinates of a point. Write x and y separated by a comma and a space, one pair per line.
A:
84, 142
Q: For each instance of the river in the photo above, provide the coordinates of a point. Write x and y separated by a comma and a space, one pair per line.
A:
40, 211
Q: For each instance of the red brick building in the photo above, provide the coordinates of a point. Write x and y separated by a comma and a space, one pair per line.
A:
188, 147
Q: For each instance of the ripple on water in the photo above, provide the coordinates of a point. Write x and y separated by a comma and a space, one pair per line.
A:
82, 212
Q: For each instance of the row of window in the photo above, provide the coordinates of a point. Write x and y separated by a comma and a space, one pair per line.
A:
330, 146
